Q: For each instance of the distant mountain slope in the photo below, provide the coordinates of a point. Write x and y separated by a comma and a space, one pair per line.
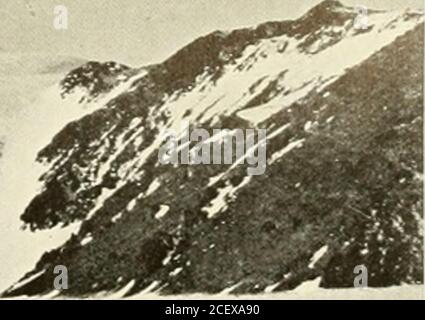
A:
343, 185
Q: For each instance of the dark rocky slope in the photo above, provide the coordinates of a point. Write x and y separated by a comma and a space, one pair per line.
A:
353, 184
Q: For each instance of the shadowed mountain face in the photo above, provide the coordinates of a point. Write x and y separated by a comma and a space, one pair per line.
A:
342, 188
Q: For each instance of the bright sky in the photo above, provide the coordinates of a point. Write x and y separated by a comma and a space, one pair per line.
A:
139, 32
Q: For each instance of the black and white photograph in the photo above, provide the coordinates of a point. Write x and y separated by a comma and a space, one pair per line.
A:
211, 149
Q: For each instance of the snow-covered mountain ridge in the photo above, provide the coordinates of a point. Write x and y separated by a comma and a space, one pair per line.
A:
344, 170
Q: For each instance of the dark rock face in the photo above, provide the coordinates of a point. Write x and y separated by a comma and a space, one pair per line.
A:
94, 77
354, 183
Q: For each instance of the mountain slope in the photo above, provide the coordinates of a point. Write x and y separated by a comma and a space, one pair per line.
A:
26, 132
343, 185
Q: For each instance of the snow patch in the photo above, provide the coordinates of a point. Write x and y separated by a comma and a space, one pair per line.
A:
162, 212
271, 288
131, 205
176, 272
153, 187
279, 154
317, 256
218, 204
87, 240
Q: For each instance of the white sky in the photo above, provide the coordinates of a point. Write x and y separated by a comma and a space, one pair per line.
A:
138, 32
